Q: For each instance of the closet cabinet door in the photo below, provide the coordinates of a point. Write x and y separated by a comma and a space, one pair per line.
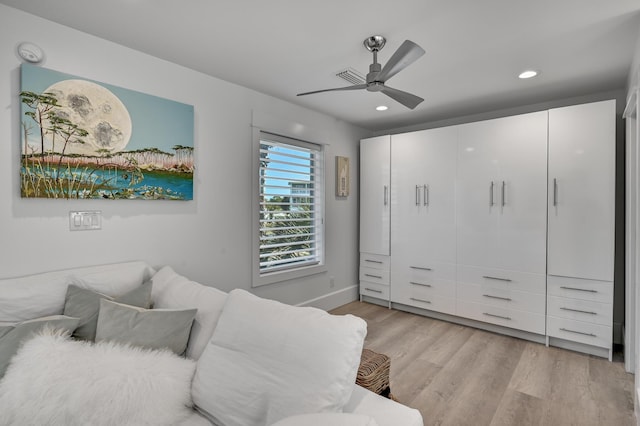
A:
582, 191
502, 193
375, 216
478, 210
581, 224
375, 186
501, 237
423, 243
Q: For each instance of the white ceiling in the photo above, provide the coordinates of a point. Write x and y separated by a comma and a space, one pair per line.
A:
474, 48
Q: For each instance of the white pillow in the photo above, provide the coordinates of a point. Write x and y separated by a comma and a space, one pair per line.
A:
56, 381
173, 291
327, 419
148, 328
267, 361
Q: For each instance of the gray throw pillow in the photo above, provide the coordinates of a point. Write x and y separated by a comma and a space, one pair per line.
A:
13, 334
148, 328
84, 304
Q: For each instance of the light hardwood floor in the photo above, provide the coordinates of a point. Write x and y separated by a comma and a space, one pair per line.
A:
457, 375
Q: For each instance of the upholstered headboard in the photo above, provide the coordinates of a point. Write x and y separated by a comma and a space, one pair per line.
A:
39, 295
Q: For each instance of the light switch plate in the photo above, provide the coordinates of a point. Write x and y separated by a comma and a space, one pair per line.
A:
85, 221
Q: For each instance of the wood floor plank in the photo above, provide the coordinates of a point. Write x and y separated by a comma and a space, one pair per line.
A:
459, 376
487, 382
517, 408
534, 374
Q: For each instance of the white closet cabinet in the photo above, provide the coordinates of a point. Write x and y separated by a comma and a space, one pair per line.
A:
501, 215
375, 216
581, 223
423, 226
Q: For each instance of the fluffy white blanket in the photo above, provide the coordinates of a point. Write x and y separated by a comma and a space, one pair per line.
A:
56, 381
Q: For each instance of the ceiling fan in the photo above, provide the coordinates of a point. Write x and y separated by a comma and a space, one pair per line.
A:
406, 54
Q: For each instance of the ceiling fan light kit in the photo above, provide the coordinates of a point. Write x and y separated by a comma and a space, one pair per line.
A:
407, 53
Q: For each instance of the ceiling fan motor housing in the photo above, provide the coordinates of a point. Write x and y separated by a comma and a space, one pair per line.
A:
374, 43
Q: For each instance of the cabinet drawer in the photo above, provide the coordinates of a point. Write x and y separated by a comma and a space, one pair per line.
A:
377, 276
520, 320
374, 290
581, 310
507, 298
579, 331
502, 278
431, 285
431, 271
432, 302
576, 288
374, 261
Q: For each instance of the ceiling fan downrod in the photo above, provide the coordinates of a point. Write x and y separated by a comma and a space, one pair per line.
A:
374, 44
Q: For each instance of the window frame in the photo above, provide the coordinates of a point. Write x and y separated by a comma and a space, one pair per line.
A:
259, 277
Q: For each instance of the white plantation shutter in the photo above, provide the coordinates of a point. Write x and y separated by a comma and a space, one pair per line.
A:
290, 203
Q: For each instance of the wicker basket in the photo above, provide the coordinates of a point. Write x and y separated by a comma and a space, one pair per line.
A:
373, 373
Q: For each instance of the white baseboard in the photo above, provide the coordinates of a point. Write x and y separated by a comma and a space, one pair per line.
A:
333, 300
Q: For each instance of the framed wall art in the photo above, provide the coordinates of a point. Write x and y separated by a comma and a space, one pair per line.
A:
83, 139
342, 176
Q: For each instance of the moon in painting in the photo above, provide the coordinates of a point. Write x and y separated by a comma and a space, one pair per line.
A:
95, 109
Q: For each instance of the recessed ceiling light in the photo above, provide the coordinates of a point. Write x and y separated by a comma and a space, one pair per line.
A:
528, 74
382, 108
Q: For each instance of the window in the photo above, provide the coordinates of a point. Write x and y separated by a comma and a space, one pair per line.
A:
290, 207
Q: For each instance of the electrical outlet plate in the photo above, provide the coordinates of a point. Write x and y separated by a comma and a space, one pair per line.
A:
85, 221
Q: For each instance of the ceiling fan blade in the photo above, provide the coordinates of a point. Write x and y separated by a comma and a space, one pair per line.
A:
354, 87
407, 53
406, 99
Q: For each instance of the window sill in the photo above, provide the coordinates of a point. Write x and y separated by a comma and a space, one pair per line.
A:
292, 274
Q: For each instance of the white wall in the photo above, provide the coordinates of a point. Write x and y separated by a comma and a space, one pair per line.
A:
634, 305
207, 239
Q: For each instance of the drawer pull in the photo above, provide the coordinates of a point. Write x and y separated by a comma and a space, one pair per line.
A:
421, 284
497, 297
373, 276
496, 278
421, 268
496, 316
578, 310
578, 332
373, 290
420, 300
579, 289
379, 262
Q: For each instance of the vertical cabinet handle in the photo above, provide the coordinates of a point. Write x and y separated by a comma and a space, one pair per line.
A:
491, 194
425, 190
417, 195
502, 194
386, 195
555, 192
